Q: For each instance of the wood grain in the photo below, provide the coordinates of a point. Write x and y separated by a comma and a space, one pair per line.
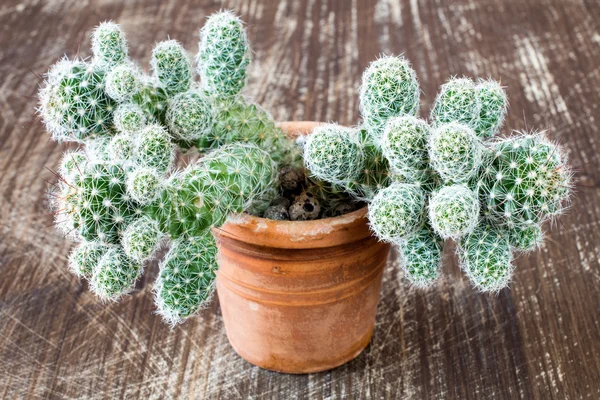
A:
540, 339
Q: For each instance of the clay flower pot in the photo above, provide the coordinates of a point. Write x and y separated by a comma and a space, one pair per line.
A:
299, 297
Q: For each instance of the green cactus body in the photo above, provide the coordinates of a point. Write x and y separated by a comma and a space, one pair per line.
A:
421, 257
186, 279
72, 163
397, 212
526, 238
152, 99
455, 152
122, 82
189, 116
172, 66
141, 239
223, 55
224, 181
456, 102
73, 103
334, 153
404, 144
389, 89
129, 118
109, 45
375, 174
84, 258
493, 104
120, 149
524, 181
96, 204
144, 184
486, 258
115, 275
453, 211
154, 149
97, 150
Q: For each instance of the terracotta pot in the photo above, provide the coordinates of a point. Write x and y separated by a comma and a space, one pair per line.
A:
299, 297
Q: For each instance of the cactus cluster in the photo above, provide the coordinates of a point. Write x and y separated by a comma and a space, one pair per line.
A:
121, 196
449, 178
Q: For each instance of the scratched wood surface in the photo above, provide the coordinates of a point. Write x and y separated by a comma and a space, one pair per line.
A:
540, 339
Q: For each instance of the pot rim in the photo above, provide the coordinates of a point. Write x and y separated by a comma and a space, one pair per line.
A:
324, 232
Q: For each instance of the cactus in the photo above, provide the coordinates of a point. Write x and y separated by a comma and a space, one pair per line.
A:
389, 89
397, 212
456, 102
186, 279
72, 163
223, 55
224, 181
525, 180
421, 257
455, 152
374, 174
115, 275
109, 45
94, 202
453, 211
334, 153
144, 185
172, 66
189, 116
493, 103
120, 148
154, 149
152, 99
129, 118
73, 103
404, 144
526, 238
85, 257
122, 83
486, 258
141, 239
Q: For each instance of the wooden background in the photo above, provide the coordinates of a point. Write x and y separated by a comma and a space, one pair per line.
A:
540, 339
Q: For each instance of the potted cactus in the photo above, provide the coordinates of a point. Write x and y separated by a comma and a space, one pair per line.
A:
291, 222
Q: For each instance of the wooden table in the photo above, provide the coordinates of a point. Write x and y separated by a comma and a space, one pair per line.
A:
540, 339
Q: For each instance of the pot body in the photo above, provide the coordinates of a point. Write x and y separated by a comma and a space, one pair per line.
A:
299, 297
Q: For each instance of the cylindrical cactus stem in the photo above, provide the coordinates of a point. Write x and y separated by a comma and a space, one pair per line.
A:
144, 184
421, 257
224, 181
333, 153
73, 103
141, 239
109, 45
453, 211
123, 82
84, 258
389, 89
152, 99
129, 118
223, 55
189, 116
493, 104
525, 181
404, 144
115, 275
186, 279
457, 102
397, 212
486, 258
455, 152
154, 149
526, 238
172, 66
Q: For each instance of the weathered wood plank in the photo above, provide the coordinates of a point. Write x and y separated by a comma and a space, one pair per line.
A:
540, 339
